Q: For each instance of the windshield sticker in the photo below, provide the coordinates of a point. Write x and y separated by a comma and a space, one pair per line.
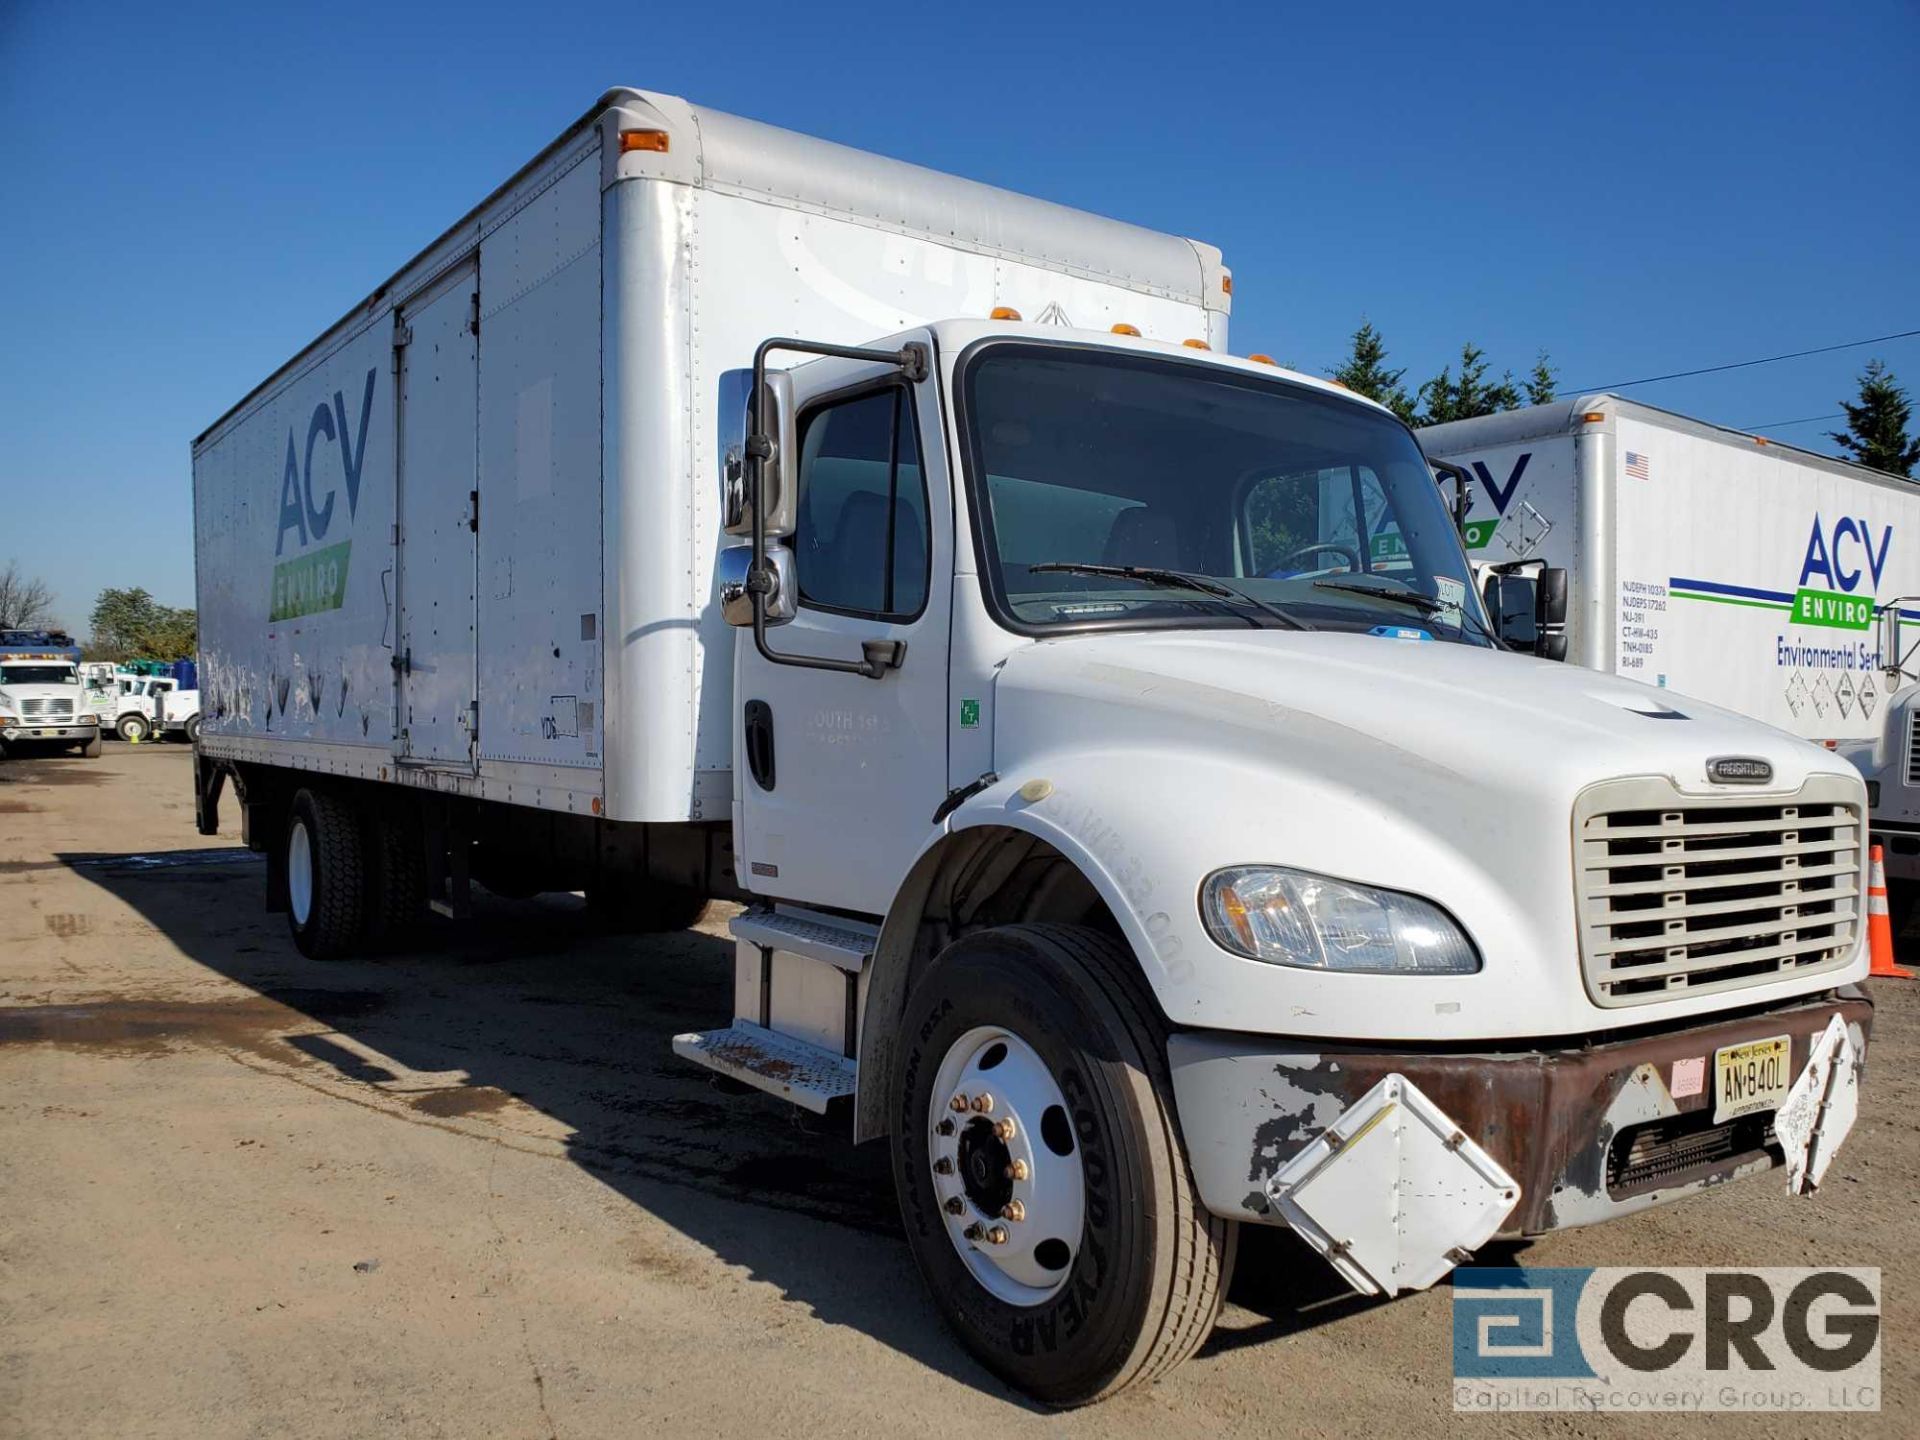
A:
1452, 594
1399, 632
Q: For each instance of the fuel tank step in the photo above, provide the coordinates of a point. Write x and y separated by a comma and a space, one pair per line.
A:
842, 943
811, 1076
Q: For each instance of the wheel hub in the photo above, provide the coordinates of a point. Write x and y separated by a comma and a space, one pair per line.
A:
1006, 1168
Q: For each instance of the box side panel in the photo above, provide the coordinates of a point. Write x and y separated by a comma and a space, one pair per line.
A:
540, 490
1766, 572
294, 510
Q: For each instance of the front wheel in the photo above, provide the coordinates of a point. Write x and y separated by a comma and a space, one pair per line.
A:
133, 728
1042, 1180
192, 729
90, 749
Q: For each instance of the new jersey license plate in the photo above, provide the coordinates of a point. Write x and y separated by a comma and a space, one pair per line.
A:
1751, 1077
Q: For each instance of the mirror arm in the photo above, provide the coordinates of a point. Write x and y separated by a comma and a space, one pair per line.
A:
878, 657
1462, 495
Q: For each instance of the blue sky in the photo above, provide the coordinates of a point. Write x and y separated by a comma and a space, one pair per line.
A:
193, 191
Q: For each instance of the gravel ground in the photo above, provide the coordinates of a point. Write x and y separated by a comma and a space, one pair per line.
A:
471, 1192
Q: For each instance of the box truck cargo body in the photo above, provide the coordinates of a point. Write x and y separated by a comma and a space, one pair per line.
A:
1706, 561
720, 513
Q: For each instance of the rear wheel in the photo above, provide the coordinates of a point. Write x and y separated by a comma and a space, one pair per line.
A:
396, 898
326, 875
133, 728
1042, 1180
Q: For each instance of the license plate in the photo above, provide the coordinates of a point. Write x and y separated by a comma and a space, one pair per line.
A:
1751, 1077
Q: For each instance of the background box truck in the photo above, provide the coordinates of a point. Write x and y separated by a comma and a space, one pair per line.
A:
1122, 847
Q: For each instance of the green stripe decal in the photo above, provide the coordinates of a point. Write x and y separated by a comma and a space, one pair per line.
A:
1729, 600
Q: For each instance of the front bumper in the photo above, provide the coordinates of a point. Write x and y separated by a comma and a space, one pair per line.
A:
1590, 1132
78, 729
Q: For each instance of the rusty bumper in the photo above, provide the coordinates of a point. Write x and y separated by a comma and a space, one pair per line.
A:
1591, 1131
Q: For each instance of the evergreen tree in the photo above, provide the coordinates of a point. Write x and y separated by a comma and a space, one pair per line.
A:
1443, 398
1540, 384
1876, 432
1365, 372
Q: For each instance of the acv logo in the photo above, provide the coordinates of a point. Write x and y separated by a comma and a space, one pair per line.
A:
299, 511
1841, 557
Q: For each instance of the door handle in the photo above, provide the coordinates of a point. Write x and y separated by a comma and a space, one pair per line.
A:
759, 743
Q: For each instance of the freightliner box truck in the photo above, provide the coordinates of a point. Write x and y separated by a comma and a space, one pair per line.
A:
714, 512
1720, 565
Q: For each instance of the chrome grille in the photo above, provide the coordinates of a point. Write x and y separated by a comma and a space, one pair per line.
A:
1683, 894
46, 707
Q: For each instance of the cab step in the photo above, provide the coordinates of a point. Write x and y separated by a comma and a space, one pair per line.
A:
809, 1075
842, 943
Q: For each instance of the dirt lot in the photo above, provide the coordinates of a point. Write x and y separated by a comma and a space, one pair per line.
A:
471, 1192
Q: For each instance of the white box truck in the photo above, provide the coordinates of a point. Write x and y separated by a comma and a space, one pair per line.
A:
1121, 846
1720, 565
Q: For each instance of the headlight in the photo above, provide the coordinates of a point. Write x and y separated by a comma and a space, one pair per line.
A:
1294, 917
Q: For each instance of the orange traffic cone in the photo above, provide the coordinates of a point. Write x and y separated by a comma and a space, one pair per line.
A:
1880, 923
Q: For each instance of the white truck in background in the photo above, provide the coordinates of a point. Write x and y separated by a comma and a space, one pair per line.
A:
699, 517
150, 706
1720, 565
42, 703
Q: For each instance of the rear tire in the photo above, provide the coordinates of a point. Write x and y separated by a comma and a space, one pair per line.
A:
1139, 1288
326, 875
133, 728
396, 898
645, 907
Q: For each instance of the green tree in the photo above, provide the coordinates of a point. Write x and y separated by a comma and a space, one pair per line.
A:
1541, 383
1876, 432
1365, 372
1444, 398
129, 623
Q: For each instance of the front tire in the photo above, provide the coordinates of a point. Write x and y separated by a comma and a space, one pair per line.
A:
1062, 1015
133, 728
90, 749
192, 730
645, 907
326, 875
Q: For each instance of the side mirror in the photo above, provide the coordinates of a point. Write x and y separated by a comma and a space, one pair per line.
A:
1529, 612
736, 601
781, 468
1887, 638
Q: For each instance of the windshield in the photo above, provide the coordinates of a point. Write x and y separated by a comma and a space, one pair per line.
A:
37, 675
1301, 508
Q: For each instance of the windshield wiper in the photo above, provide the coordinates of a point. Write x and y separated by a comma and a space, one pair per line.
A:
1205, 584
1427, 605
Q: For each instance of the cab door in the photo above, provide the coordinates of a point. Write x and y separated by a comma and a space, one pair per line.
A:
837, 776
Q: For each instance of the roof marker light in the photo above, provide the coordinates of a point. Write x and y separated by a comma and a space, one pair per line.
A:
1196, 344
1593, 417
1124, 329
1259, 359
1004, 312
654, 140
1226, 283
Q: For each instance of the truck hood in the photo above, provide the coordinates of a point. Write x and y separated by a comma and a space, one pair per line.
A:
1385, 706
1442, 770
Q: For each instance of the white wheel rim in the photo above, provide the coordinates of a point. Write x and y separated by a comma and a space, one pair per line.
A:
1017, 1232
300, 873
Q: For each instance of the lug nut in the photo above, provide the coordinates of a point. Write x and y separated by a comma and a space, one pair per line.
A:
997, 1235
943, 1166
1004, 1129
1013, 1210
945, 1127
982, 1104
960, 1102
955, 1205
1017, 1170
975, 1231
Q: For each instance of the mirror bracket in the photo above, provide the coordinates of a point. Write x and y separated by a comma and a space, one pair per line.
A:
915, 364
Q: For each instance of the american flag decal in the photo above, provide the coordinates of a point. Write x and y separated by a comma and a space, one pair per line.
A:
1636, 465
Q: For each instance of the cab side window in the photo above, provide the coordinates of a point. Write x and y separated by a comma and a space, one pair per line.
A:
861, 537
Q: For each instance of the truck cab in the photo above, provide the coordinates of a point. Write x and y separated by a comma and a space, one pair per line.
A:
1076, 696
156, 705
42, 703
